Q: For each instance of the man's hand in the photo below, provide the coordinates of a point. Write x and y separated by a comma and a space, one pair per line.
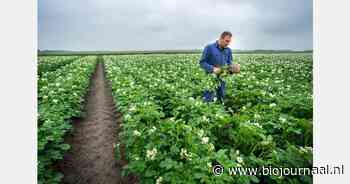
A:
216, 70
235, 68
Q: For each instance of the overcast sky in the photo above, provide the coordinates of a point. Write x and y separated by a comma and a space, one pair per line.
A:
173, 24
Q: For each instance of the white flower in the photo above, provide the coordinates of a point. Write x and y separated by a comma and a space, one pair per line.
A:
256, 116
308, 148
127, 117
257, 125
136, 133
205, 119
185, 155
305, 149
205, 140
237, 152
197, 103
152, 130
133, 108
219, 116
272, 105
211, 147
282, 119
55, 101
240, 160
201, 133
209, 165
159, 180
151, 154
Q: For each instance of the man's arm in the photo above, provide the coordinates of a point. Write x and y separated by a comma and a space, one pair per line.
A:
204, 61
229, 61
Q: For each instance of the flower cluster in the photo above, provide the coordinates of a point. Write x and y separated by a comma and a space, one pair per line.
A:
205, 140
159, 180
152, 130
185, 155
151, 154
305, 149
282, 119
136, 133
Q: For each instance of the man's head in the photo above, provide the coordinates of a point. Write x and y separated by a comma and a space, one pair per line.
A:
225, 39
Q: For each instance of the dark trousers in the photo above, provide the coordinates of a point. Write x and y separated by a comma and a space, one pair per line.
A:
208, 95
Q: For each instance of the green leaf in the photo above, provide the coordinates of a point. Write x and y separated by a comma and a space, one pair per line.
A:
65, 147
254, 179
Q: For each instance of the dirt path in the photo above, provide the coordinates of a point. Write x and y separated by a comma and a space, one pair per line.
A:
91, 157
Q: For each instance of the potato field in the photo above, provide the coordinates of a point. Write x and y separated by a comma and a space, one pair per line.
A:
142, 119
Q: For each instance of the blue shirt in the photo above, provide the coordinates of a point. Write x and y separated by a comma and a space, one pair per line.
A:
213, 55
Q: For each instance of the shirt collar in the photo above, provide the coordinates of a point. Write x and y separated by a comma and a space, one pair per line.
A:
217, 45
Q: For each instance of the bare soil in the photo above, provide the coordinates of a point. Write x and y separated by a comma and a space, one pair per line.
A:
91, 158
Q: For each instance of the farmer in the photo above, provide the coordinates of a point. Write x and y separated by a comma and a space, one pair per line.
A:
214, 56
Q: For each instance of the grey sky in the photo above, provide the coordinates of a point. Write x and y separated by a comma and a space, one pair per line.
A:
170, 24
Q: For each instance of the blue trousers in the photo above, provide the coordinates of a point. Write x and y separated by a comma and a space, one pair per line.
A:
208, 95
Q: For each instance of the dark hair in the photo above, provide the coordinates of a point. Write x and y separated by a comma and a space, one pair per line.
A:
225, 33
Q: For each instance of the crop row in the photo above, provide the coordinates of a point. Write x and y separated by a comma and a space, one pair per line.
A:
52, 63
60, 97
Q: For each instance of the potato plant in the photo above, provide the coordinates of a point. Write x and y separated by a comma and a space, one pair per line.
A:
60, 97
170, 135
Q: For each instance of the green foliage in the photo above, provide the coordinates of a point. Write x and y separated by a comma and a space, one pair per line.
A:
168, 133
171, 135
48, 64
60, 97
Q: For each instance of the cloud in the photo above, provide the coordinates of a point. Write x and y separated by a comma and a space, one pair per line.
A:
170, 24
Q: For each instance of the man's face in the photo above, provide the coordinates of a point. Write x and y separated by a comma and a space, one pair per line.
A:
224, 42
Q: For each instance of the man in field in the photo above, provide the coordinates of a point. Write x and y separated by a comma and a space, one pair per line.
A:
214, 56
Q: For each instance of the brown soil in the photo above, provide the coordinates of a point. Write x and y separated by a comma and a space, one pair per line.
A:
91, 158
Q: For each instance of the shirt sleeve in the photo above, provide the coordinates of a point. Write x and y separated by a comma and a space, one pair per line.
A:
229, 61
203, 62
